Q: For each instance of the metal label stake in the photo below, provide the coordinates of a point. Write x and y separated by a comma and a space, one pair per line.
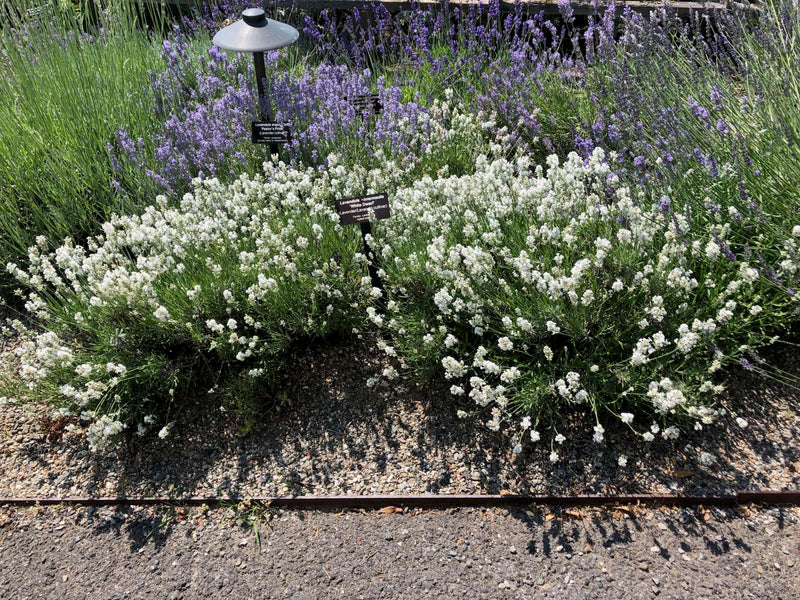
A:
372, 265
360, 209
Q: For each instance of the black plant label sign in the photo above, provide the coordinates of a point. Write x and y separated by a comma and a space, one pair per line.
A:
271, 133
362, 209
367, 104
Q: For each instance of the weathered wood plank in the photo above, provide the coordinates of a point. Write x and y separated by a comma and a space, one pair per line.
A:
550, 7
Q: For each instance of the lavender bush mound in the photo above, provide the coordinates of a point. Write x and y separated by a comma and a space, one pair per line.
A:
210, 293
532, 291
528, 290
206, 109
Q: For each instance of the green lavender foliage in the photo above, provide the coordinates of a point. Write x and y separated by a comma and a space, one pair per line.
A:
65, 88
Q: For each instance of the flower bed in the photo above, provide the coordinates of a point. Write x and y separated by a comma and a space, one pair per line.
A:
601, 216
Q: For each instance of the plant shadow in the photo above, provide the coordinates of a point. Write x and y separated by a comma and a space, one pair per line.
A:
334, 435
562, 530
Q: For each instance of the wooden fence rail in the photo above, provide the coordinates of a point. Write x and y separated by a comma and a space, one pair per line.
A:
581, 8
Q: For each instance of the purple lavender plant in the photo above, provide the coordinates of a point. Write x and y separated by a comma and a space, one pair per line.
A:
206, 116
207, 112
320, 105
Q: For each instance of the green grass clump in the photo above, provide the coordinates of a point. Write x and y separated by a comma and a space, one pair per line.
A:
65, 88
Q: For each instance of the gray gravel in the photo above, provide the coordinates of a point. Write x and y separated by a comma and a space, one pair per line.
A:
336, 436
632, 553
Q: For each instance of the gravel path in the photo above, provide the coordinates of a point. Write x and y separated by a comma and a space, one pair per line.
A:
336, 436
630, 553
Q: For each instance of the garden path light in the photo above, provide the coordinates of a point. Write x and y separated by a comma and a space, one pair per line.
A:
257, 34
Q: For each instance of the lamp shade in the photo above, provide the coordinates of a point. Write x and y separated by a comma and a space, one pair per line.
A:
255, 33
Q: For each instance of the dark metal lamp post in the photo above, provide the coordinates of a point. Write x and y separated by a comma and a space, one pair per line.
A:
257, 34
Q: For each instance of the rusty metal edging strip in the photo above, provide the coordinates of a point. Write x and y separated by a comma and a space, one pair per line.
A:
429, 501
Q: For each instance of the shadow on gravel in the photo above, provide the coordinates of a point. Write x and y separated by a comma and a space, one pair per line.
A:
334, 435
138, 527
571, 531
